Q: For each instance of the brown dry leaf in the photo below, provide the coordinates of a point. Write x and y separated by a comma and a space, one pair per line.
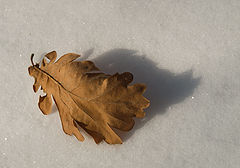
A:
93, 100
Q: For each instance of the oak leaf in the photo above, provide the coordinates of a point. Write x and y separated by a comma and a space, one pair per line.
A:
87, 97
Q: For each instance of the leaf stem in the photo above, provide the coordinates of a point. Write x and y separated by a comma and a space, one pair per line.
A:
32, 59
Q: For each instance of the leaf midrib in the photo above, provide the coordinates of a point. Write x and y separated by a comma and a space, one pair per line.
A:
57, 82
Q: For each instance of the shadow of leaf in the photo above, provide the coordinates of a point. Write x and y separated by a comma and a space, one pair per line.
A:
164, 88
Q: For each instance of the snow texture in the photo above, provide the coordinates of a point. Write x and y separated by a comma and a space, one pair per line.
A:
186, 51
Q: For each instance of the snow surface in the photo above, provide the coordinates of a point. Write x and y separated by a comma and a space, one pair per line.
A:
187, 52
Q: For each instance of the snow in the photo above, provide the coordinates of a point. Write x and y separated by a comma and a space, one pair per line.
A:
187, 52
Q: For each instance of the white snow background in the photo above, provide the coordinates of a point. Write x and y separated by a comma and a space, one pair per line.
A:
186, 51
